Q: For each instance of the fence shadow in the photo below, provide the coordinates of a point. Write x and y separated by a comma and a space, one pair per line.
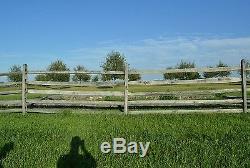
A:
4, 151
74, 159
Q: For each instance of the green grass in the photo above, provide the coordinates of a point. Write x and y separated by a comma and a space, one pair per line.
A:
2, 89
190, 140
19, 96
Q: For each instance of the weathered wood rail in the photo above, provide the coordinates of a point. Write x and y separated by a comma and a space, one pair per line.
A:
26, 103
77, 93
10, 92
138, 103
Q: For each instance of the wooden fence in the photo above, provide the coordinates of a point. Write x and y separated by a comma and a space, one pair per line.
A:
25, 103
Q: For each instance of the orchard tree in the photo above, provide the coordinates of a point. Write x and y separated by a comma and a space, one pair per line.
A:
182, 75
223, 73
170, 76
15, 73
135, 76
58, 65
80, 77
115, 61
210, 74
217, 74
41, 77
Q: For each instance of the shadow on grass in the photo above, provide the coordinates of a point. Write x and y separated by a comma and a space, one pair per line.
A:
74, 159
4, 151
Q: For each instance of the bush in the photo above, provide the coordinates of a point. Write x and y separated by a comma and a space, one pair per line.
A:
80, 77
134, 77
15, 73
182, 75
115, 61
58, 65
210, 74
41, 77
217, 74
170, 76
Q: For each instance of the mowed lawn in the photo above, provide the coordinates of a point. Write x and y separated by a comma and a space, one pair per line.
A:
176, 140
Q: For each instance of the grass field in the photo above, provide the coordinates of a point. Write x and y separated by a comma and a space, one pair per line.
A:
189, 140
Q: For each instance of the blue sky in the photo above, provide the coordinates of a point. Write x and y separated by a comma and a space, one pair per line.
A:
152, 34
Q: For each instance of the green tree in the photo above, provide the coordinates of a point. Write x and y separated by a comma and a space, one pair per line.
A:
95, 78
170, 76
58, 65
115, 61
41, 77
134, 77
217, 74
223, 73
210, 74
182, 75
15, 73
80, 77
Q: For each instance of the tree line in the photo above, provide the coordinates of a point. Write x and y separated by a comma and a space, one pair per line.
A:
115, 61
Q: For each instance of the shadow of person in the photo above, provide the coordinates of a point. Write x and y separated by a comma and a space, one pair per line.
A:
74, 159
4, 151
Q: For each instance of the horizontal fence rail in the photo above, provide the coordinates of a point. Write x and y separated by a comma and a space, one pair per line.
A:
10, 92
77, 72
77, 93
138, 103
11, 103
219, 69
98, 84
195, 81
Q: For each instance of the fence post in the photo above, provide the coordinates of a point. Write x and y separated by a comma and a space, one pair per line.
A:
126, 89
24, 89
244, 85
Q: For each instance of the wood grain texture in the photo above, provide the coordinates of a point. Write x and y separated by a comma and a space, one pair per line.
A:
77, 93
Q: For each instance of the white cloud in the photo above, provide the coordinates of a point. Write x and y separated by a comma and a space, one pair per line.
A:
164, 52
156, 53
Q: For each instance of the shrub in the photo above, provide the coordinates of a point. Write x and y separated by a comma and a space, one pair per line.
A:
182, 75
80, 77
58, 65
115, 61
134, 77
217, 74
41, 77
15, 73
